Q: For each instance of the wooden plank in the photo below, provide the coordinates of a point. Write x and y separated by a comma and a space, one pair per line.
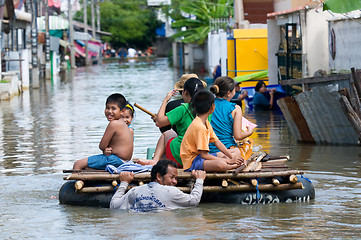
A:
356, 80
351, 115
291, 110
345, 92
330, 78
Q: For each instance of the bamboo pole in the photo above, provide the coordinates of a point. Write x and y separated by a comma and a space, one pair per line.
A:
224, 183
275, 181
144, 110
254, 182
208, 189
114, 183
96, 189
232, 181
182, 175
79, 184
280, 160
246, 188
293, 178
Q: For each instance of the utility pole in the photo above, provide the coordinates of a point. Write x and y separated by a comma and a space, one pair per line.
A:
47, 41
239, 14
2, 6
98, 14
93, 18
71, 36
85, 19
34, 46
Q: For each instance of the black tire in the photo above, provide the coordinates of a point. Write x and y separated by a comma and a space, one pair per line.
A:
67, 195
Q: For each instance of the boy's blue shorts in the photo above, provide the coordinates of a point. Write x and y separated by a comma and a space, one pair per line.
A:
197, 163
101, 161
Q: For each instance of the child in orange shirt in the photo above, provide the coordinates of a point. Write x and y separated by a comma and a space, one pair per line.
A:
194, 150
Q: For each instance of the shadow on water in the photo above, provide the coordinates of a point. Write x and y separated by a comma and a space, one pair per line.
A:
45, 130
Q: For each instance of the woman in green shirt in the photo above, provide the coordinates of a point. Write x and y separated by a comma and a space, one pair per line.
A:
182, 116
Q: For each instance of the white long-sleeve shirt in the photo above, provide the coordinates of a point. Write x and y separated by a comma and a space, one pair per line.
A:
155, 197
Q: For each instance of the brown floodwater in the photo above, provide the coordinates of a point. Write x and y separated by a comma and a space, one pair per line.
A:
45, 130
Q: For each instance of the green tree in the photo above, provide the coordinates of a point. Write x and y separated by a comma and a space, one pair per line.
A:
195, 16
131, 23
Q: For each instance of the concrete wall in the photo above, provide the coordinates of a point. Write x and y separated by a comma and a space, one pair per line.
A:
195, 56
348, 48
217, 49
273, 43
162, 47
282, 5
12, 88
316, 41
25, 64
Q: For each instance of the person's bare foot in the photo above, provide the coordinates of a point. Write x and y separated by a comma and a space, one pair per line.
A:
144, 161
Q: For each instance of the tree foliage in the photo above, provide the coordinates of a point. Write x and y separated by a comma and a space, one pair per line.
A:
131, 23
195, 16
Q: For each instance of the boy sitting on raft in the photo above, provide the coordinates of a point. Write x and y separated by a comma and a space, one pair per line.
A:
194, 149
117, 141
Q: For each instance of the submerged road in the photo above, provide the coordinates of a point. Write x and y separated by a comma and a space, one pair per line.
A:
45, 130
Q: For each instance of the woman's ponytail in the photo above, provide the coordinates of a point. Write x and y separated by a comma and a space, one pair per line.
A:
222, 85
214, 89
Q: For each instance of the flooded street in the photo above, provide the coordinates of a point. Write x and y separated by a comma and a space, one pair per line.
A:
46, 130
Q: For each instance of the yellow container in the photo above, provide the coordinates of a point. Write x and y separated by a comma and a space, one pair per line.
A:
247, 53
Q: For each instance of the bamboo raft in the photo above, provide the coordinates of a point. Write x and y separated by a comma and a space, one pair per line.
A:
263, 174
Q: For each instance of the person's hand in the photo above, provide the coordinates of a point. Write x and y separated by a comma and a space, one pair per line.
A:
235, 160
107, 151
243, 95
155, 118
126, 177
170, 95
272, 91
199, 174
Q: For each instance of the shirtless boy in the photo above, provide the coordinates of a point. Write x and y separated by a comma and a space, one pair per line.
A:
194, 149
117, 141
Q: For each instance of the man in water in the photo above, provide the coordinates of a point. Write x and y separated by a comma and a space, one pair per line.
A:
160, 193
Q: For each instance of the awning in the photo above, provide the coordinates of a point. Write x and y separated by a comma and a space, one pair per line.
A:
55, 23
343, 6
82, 36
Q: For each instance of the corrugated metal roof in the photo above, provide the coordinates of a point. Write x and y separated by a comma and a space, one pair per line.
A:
325, 116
